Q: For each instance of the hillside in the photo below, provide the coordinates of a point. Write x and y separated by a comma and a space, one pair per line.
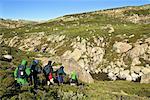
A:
112, 44
8, 23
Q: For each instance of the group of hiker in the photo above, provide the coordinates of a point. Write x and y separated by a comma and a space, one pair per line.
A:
25, 75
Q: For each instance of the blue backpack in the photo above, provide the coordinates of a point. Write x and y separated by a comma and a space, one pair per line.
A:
47, 69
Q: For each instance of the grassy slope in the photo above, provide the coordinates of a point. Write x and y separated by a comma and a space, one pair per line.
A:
94, 22
90, 21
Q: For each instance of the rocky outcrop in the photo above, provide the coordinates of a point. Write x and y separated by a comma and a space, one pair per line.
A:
71, 64
129, 61
121, 47
138, 50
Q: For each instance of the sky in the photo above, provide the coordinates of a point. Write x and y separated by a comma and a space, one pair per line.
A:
49, 9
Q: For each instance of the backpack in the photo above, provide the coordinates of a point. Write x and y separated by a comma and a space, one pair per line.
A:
46, 69
21, 71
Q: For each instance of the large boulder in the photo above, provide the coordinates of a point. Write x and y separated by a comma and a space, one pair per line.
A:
76, 54
71, 64
145, 78
138, 51
121, 47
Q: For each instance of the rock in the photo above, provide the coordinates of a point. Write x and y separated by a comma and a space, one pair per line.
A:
105, 70
138, 51
8, 57
78, 38
51, 51
147, 40
76, 54
121, 47
129, 78
112, 76
116, 70
62, 37
67, 54
135, 61
81, 63
134, 76
71, 64
109, 26
148, 50
145, 70
131, 36
145, 78
111, 30
136, 69
124, 75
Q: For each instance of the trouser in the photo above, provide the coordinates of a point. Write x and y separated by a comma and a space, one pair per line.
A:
33, 78
60, 78
47, 79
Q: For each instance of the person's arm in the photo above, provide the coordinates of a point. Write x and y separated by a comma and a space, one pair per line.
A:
64, 72
15, 72
28, 71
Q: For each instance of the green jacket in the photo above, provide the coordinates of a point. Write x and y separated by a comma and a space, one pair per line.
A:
74, 75
27, 70
22, 80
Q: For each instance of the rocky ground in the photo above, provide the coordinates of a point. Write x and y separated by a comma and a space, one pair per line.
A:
109, 45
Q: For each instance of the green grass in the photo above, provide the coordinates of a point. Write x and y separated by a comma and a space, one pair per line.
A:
104, 90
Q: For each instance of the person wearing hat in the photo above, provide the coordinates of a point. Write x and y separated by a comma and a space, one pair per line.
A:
61, 74
35, 70
21, 73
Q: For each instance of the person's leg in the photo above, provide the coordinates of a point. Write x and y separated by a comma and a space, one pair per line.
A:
31, 79
61, 79
35, 81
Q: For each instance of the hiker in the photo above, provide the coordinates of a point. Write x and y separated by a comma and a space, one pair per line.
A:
74, 78
35, 70
61, 74
48, 71
21, 73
